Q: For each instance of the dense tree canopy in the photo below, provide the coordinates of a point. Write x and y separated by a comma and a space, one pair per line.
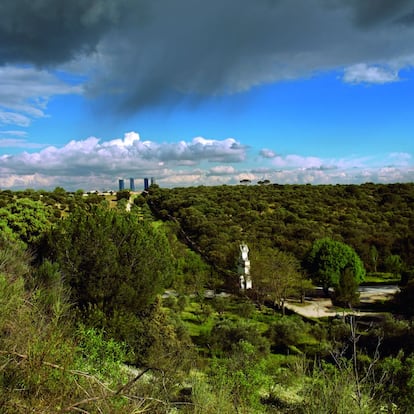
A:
329, 261
111, 260
25, 219
376, 220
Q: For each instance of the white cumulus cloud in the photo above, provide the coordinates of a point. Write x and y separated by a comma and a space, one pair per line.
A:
297, 161
267, 153
129, 156
95, 164
363, 73
222, 170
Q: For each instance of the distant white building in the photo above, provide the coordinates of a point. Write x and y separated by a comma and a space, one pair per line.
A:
243, 268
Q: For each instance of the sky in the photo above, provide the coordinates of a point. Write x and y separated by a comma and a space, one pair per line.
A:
195, 92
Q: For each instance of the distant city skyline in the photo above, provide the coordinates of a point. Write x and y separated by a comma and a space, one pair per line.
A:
205, 93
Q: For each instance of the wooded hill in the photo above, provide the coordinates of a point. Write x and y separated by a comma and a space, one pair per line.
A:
103, 307
377, 220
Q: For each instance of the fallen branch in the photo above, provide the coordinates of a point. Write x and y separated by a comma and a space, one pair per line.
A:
129, 383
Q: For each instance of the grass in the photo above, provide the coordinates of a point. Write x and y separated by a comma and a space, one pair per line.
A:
199, 317
197, 321
378, 278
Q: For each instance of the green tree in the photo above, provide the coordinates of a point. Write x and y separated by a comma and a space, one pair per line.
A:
373, 251
123, 195
346, 292
277, 275
59, 194
287, 331
28, 219
111, 260
47, 365
394, 264
328, 260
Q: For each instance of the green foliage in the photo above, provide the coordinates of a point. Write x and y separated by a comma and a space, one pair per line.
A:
240, 377
191, 274
123, 195
111, 265
332, 390
111, 260
208, 398
50, 292
139, 200
25, 219
327, 263
277, 275
33, 350
397, 386
372, 218
373, 252
226, 334
99, 356
286, 332
346, 292
14, 259
394, 264
47, 365
381, 278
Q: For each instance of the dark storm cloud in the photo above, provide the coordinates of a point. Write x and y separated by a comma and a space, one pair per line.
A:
230, 46
369, 13
53, 31
141, 52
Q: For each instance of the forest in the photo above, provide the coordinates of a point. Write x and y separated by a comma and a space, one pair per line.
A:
130, 302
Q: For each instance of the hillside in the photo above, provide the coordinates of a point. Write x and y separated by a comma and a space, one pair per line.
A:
377, 220
105, 310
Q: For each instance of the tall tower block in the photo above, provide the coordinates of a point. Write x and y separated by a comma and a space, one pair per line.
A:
121, 184
132, 184
146, 184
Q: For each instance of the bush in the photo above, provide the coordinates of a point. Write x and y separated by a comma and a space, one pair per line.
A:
123, 195
47, 366
287, 331
226, 334
99, 356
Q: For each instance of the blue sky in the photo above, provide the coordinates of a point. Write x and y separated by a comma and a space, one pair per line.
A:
197, 93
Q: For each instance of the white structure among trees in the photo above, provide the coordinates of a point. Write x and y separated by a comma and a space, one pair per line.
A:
244, 268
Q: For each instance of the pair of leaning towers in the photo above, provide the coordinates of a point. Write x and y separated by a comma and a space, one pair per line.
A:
243, 268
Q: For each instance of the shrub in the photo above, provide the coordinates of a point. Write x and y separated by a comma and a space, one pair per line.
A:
226, 334
287, 331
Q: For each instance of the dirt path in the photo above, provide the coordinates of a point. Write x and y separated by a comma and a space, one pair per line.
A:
322, 307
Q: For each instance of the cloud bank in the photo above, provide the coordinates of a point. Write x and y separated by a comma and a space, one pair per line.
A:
94, 164
91, 162
141, 53
144, 52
